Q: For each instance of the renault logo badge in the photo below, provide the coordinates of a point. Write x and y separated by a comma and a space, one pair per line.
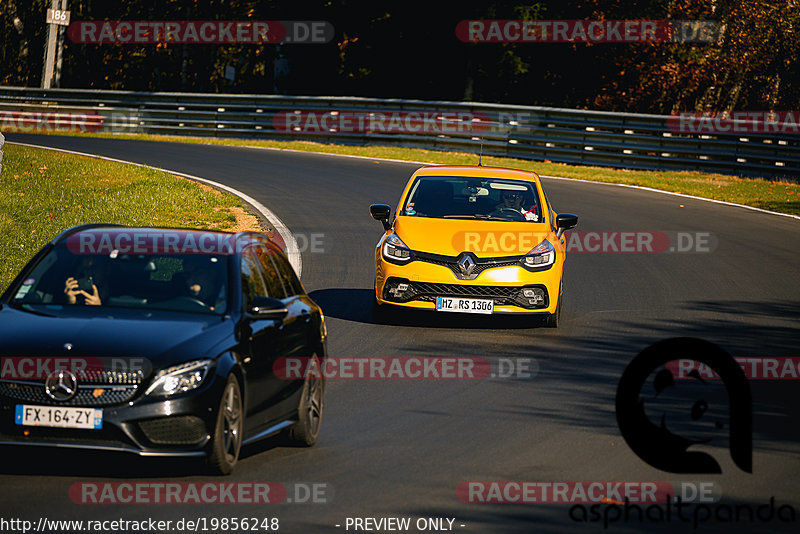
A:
466, 264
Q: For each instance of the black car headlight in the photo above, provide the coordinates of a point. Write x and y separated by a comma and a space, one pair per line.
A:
179, 379
394, 250
542, 255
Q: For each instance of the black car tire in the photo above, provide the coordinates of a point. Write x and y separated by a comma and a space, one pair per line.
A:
309, 412
381, 314
227, 439
552, 320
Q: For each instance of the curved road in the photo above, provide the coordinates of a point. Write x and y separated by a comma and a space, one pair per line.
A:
400, 448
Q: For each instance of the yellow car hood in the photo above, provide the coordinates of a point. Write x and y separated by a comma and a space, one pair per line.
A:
451, 237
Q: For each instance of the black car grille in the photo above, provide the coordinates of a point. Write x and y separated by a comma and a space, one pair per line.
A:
96, 387
428, 291
455, 290
181, 430
88, 395
109, 377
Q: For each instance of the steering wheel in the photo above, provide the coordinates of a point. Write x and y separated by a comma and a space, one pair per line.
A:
508, 213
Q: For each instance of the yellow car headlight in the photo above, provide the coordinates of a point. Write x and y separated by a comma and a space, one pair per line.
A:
395, 251
542, 255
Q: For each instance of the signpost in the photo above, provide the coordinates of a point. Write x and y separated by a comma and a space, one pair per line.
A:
57, 17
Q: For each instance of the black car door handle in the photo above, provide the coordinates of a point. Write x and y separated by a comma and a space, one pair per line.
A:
306, 315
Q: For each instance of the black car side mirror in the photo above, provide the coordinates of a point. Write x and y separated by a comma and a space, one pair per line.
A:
381, 212
268, 308
565, 221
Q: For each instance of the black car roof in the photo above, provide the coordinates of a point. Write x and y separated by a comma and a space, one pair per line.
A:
93, 226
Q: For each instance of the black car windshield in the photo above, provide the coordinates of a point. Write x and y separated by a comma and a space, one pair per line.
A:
474, 198
177, 282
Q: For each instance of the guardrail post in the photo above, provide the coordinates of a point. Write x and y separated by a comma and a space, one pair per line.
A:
2, 140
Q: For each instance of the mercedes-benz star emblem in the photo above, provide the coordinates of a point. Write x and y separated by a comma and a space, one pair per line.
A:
61, 385
466, 264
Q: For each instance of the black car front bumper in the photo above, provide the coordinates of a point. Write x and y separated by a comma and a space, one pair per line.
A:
179, 426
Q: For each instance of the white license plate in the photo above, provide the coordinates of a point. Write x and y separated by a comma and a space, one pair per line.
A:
451, 304
27, 415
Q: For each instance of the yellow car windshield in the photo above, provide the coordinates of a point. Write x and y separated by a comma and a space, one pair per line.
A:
473, 198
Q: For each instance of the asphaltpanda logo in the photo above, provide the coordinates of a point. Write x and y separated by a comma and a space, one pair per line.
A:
659, 436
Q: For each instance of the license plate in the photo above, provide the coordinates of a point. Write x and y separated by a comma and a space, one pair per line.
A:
27, 415
451, 304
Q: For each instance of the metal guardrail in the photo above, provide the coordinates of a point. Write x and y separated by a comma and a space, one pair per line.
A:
624, 140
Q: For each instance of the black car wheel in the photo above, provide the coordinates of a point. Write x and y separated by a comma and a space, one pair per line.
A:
227, 439
384, 313
306, 430
552, 320
378, 312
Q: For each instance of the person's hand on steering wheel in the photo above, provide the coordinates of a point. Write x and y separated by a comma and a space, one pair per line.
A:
511, 214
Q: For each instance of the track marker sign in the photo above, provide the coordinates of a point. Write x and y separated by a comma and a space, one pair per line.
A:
57, 16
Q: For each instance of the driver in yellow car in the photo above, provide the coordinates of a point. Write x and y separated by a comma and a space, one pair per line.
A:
512, 200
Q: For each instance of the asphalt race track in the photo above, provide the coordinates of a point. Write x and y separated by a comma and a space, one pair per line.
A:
392, 448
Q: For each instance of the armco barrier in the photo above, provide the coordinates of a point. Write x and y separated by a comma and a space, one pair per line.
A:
626, 140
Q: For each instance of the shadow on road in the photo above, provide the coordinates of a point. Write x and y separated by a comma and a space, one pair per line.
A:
353, 304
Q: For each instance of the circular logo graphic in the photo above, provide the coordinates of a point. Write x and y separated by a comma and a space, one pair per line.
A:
61, 385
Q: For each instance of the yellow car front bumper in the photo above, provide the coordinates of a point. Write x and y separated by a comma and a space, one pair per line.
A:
504, 285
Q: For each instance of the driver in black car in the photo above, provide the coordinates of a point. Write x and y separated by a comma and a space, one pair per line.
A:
512, 201
202, 281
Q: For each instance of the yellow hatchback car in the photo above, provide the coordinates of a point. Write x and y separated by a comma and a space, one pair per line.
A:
471, 240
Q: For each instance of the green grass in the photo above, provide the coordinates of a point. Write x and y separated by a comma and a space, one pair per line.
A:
43, 192
773, 195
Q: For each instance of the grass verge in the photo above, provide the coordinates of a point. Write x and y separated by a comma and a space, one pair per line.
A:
43, 192
773, 195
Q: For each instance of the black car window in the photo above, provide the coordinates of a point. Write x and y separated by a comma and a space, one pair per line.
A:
252, 282
288, 276
196, 283
275, 287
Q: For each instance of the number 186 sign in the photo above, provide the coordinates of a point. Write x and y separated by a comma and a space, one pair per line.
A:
56, 16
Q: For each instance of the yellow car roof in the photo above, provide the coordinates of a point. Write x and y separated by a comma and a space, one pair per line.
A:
474, 170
